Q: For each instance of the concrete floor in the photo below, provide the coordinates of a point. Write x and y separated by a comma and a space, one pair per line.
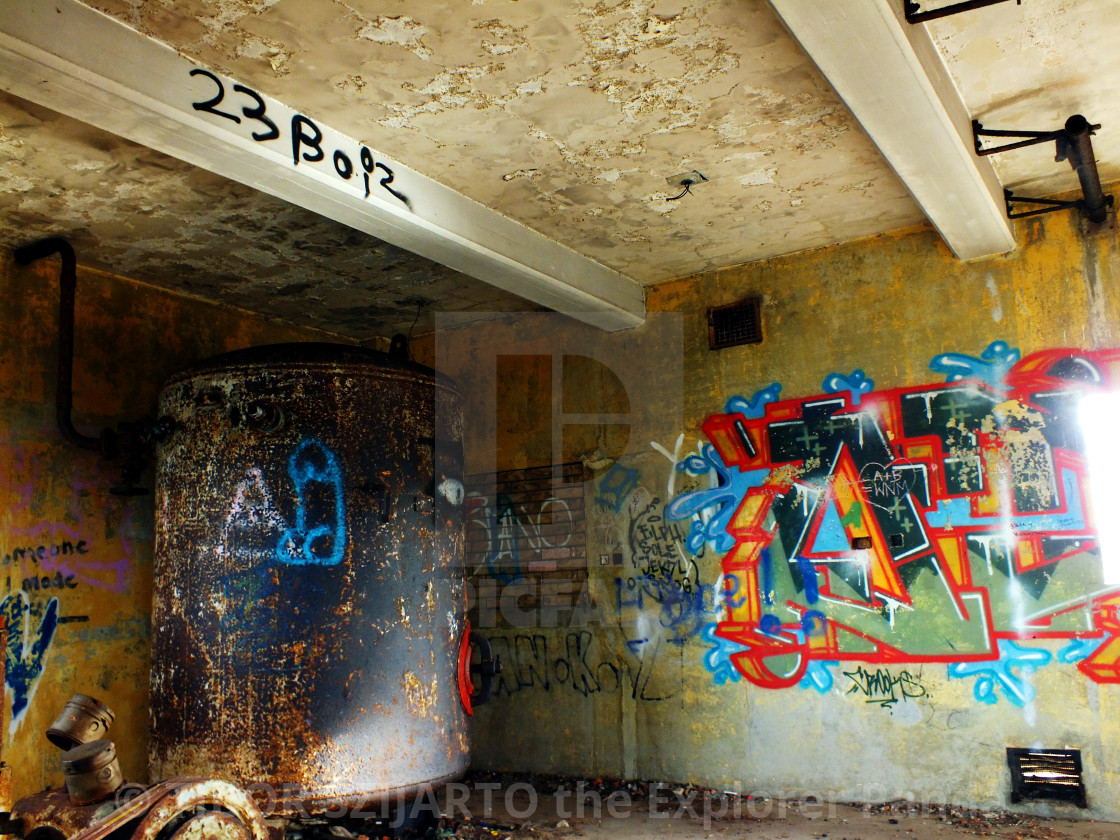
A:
532, 807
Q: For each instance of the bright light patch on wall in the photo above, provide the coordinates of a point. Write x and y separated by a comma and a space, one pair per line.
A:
1099, 413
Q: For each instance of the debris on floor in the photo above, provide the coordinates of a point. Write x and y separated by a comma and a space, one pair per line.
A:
520, 806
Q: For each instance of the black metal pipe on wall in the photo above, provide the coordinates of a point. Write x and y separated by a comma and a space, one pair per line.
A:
1079, 149
67, 285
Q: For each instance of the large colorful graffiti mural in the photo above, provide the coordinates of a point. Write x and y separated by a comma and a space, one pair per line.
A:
940, 523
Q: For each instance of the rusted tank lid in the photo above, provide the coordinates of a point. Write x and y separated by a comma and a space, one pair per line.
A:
308, 353
88, 757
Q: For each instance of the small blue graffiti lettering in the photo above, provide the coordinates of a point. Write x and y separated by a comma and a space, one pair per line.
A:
1016, 687
755, 407
958, 513
1078, 650
726, 498
616, 486
731, 586
319, 535
27, 649
718, 659
818, 677
992, 366
856, 383
684, 604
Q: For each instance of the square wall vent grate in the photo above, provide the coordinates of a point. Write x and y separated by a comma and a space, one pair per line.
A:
734, 324
1046, 774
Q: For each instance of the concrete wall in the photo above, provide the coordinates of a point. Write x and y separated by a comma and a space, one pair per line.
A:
699, 613
76, 559
675, 604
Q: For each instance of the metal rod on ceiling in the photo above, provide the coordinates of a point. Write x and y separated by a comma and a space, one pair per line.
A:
914, 14
1033, 138
1047, 205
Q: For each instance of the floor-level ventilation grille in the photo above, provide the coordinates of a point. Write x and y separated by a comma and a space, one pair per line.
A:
1046, 774
734, 323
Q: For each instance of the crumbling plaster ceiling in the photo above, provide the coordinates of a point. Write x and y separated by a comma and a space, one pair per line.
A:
566, 115
135, 212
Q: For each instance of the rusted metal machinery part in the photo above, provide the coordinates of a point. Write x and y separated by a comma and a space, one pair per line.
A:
180, 812
178, 805
53, 812
92, 771
82, 719
7, 824
210, 825
308, 602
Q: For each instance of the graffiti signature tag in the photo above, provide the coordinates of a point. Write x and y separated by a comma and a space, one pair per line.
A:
883, 687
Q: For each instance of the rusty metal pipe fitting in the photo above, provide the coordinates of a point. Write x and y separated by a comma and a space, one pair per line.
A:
67, 284
92, 772
82, 719
1079, 149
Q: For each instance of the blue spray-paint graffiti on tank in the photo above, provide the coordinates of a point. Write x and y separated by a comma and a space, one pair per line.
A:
319, 535
27, 649
993, 365
1016, 687
727, 496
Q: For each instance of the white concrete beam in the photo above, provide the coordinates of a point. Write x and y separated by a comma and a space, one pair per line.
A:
891, 76
77, 61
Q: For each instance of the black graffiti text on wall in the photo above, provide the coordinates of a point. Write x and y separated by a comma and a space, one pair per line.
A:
40, 555
884, 688
579, 667
306, 135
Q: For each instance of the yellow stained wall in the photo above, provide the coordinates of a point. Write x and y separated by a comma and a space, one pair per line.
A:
621, 699
128, 338
610, 690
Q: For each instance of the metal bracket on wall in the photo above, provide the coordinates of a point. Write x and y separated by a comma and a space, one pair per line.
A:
914, 13
1072, 143
1048, 205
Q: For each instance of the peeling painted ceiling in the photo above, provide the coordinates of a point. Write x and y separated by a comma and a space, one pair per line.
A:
135, 212
568, 116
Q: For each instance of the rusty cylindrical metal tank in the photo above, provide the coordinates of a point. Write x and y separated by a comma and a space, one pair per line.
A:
308, 608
